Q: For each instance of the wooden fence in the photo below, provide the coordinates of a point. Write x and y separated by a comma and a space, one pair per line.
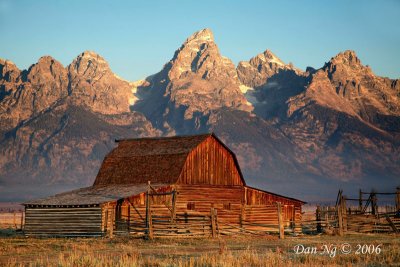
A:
364, 217
161, 217
162, 220
252, 220
12, 220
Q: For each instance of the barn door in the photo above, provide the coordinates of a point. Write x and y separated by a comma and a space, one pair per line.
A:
122, 216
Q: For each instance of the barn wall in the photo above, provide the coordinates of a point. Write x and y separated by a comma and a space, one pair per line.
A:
201, 198
233, 210
291, 209
58, 221
210, 163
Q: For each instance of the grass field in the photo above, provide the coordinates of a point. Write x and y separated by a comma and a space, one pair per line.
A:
228, 251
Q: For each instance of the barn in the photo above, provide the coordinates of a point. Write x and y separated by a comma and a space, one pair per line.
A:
166, 186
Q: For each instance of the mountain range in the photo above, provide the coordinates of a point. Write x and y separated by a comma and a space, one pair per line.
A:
302, 133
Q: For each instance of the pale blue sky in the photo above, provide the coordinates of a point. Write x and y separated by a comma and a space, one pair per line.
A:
138, 37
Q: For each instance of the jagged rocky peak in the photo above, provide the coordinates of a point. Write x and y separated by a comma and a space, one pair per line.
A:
347, 57
196, 81
347, 64
45, 70
257, 70
199, 55
8, 70
204, 35
346, 85
89, 64
266, 57
96, 87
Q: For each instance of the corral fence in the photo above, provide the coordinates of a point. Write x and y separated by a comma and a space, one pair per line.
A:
12, 220
361, 214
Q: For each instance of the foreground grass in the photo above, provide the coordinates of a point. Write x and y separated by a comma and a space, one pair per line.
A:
227, 251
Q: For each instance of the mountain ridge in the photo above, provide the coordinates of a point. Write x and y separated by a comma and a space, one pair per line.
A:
339, 124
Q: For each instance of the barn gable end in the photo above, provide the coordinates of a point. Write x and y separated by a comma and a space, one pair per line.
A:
211, 163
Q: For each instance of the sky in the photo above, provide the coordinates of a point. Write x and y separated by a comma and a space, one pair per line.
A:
138, 37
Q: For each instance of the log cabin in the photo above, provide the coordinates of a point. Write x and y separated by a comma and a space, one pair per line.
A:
166, 186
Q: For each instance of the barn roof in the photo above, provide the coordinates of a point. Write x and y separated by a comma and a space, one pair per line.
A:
278, 195
93, 195
159, 160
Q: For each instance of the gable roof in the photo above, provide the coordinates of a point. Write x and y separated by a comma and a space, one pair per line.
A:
159, 160
93, 195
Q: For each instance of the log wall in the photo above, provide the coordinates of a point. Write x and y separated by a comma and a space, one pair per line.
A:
68, 221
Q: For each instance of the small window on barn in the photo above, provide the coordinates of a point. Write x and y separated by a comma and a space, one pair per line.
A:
227, 206
190, 206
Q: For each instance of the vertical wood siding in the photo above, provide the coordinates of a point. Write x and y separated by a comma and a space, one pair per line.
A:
210, 163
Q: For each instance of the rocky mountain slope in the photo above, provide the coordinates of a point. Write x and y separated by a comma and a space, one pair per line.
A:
195, 82
321, 129
58, 123
342, 120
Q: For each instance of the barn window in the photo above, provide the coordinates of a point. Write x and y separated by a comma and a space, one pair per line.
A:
190, 206
227, 206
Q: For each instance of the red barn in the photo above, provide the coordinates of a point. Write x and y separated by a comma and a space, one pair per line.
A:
183, 185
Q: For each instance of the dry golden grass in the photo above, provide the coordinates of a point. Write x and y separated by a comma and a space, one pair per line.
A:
238, 251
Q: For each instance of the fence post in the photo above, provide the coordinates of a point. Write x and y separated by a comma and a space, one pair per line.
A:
151, 235
327, 218
147, 208
374, 205
318, 218
280, 221
173, 212
15, 222
22, 219
110, 222
340, 213
105, 224
344, 214
216, 222
397, 199
360, 203
241, 218
129, 219
213, 225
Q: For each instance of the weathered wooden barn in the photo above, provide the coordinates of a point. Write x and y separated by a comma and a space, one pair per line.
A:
183, 185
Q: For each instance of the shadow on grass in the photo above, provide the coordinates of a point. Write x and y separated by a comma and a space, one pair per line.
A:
9, 232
